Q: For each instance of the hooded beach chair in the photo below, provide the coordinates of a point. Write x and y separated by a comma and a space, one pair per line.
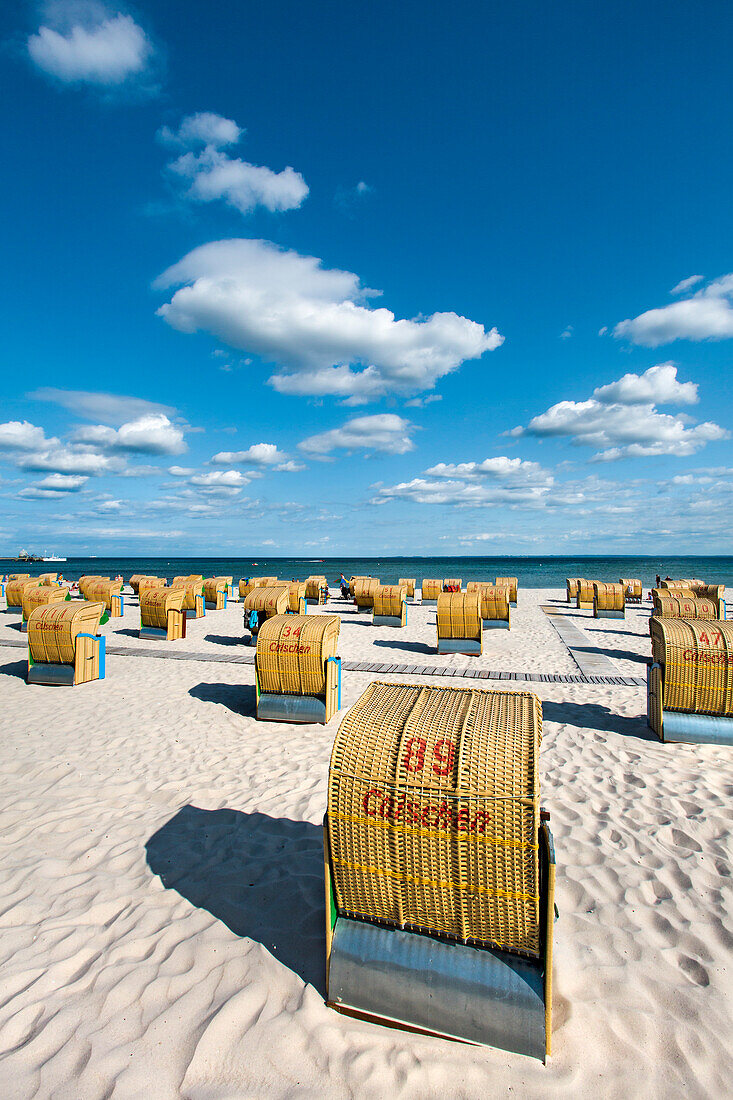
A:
64, 644
316, 589
162, 614
409, 583
584, 595
297, 670
459, 623
215, 593
495, 604
690, 680
364, 589
440, 867
609, 601
512, 584
390, 605
40, 596
633, 590
262, 604
430, 589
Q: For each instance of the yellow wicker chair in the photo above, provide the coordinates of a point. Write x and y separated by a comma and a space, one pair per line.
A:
512, 584
495, 604
215, 593
430, 590
571, 589
633, 590
48, 578
262, 604
194, 603
439, 866
297, 602
459, 623
162, 614
608, 601
64, 646
364, 589
671, 604
584, 596
690, 680
316, 589
40, 596
409, 583
109, 593
14, 591
390, 605
452, 584
297, 671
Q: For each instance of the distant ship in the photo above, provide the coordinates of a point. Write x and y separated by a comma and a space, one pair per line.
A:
25, 556
54, 557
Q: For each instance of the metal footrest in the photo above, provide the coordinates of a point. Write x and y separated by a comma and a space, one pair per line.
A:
153, 632
386, 620
462, 992
495, 624
610, 614
60, 675
700, 729
291, 708
460, 645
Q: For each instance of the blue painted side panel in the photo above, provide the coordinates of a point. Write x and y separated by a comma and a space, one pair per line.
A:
697, 728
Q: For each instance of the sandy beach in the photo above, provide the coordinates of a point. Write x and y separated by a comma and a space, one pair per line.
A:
162, 916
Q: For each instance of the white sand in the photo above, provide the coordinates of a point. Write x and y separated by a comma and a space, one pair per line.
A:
209, 985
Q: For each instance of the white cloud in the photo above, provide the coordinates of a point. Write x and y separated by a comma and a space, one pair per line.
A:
220, 481
110, 408
212, 174
621, 418
707, 315
64, 459
566, 333
202, 128
313, 322
687, 284
181, 471
152, 434
465, 493
420, 402
65, 483
657, 386
85, 43
21, 435
383, 432
259, 454
501, 468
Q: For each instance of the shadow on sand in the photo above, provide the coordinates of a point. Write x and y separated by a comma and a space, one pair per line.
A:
15, 668
622, 654
594, 716
225, 639
261, 876
238, 698
410, 647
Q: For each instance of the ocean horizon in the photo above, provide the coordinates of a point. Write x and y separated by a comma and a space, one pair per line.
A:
532, 572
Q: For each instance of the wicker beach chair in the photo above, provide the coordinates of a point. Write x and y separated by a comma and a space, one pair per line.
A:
609, 601
316, 589
64, 644
215, 593
452, 584
390, 605
495, 604
194, 604
40, 596
297, 671
512, 584
439, 866
14, 590
571, 589
262, 604
430, 591
459, 623
162, 614
633, 590
584, 595
364, 589
109, 593
409, 583
690, 680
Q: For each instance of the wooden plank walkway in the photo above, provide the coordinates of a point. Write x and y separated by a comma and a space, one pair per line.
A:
579, 645
371, 667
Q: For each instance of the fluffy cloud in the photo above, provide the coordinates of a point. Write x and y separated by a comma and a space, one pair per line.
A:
464, 493
152, 434
21, 435
211, 174
384, 432
259, 454
54, 487
656, 386
85, 43
110, 408
220, 481
64, 459
686, 284
202, 128
622, 419
707, 315
313, 322
514, 470
180, 471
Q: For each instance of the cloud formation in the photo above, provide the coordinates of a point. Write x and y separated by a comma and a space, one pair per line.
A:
706, 315
21, 435
153, 434
384, 432
86, 43
259, 454
110, 408
621, 418
314, 323
211, 174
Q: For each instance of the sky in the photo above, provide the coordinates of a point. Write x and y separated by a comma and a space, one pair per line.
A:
376, 279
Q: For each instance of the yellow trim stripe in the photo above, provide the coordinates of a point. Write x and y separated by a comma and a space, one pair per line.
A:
420, 880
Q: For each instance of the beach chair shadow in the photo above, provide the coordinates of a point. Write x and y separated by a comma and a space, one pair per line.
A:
622, 654
128, 631
15, 668
261, 876
411, 647
594, 716
223, 639
238, 698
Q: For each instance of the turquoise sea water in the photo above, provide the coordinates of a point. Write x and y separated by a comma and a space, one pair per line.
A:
549, 572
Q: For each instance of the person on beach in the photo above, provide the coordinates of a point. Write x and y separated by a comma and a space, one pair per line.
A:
344, 587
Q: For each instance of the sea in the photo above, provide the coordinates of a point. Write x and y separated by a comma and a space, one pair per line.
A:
532, 572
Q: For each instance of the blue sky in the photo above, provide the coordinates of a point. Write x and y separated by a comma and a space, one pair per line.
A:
402, 278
